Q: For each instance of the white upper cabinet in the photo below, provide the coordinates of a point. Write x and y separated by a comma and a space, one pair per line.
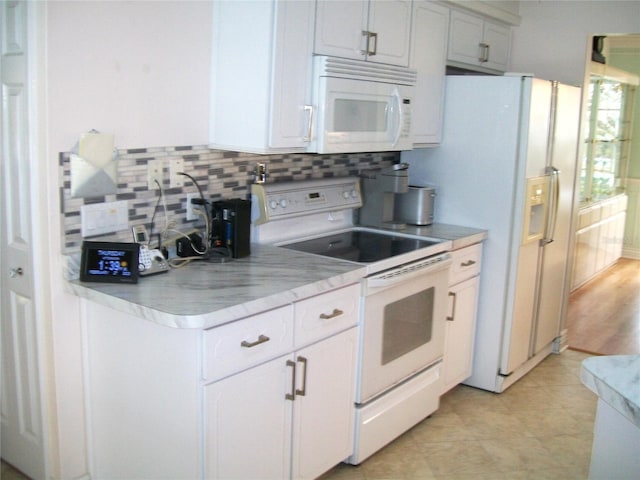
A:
377, 31
477, 42
261, 75
430, 26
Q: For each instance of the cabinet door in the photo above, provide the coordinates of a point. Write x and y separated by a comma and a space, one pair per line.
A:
248, 423
430, 26
324, 412
478, 42
390, 22
465, 37
498, 39
460, 332
261, 75
292, 64
339, 28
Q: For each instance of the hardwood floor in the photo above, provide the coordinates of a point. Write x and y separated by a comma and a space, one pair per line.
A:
603, 317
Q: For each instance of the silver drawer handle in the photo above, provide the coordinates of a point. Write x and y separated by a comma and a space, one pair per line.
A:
261, 339
336, 313
468, 263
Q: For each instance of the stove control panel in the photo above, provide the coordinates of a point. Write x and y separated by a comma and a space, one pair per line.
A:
291, 199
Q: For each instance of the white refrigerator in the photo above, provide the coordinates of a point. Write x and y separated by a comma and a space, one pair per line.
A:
507, 164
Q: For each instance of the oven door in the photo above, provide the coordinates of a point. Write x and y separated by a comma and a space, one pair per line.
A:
403, 324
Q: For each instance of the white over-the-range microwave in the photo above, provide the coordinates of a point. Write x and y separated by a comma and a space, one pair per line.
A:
360, 106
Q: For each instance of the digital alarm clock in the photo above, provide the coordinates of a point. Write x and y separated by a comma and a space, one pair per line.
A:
111, 262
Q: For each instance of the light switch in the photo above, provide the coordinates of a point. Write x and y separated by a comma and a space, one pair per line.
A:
101, 218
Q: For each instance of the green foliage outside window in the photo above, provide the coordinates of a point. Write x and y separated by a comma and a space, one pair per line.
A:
607, 139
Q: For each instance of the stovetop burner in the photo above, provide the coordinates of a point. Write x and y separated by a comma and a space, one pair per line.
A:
360, 246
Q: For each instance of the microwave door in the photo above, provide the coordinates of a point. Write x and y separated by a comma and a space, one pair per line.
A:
357, 116
398, 115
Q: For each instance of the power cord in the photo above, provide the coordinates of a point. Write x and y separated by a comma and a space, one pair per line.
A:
207, 252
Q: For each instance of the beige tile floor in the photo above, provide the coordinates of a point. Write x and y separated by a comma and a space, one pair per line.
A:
540, 428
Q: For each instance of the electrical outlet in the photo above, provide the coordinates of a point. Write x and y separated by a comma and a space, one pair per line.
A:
190, 213
154, 173
176, 166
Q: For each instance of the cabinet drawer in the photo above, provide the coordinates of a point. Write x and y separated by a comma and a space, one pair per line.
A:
466, 263
326, 314
247, 342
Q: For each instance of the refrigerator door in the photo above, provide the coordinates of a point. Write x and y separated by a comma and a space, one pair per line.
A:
554, 281
479, 171
520, 317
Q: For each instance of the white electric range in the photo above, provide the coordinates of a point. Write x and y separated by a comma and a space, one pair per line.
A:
402, 305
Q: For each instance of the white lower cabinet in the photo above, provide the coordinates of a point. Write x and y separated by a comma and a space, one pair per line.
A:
291, 417
270, 396
248, 424
464, 283
324, 415
286, 417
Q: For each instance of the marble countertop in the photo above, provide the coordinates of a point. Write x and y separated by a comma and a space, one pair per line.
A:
208, 294
616, 380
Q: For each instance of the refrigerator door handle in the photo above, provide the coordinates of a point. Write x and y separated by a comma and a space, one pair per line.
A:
554, 200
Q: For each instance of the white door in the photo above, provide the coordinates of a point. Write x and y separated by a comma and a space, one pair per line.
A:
248, 423
323, 407
340, 27
22, 420
390, 22
554, 282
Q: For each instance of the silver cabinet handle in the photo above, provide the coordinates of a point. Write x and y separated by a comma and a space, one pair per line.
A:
336, 313
453, 308
308, 137
468, 263
366, 36
485, 52
292, 396
303, 391
15, 272
261, 339
373, 39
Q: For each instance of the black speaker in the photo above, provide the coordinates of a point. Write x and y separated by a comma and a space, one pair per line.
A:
231, 226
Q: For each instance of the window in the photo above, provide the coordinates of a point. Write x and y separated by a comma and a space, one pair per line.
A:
607, 138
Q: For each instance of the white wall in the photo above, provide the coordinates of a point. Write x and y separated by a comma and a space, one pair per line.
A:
551, 42
140, 70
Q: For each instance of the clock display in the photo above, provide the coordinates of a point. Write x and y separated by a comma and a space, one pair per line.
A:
109, 262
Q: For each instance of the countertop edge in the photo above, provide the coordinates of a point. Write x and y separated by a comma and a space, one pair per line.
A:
221, 316
616, 380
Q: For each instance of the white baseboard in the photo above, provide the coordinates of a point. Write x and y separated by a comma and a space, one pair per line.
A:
631, 252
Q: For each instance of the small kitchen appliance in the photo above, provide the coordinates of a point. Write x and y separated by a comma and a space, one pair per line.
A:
403, 298
231, 226
360, 106
380, 187
416, 206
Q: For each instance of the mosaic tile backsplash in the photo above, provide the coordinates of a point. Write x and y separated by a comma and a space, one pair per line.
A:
220, 175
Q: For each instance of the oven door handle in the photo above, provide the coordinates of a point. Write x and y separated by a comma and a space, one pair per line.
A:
407, 272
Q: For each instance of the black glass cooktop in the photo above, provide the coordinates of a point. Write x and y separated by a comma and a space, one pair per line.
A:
360, 246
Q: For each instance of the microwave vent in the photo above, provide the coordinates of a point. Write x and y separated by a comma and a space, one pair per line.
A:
360, 70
